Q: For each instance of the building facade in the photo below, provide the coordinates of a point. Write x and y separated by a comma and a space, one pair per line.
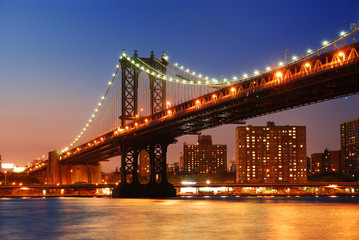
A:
349, 134
144, 166
271, 154
204, 157
326, 162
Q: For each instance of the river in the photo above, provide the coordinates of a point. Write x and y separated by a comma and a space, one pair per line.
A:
180, 218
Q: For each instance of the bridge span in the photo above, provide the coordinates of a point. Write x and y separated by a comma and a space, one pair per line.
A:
151, 125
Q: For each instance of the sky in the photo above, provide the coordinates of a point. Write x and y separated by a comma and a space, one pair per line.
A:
56, 58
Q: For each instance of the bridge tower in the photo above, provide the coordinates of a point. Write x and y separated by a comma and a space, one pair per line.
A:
130, 148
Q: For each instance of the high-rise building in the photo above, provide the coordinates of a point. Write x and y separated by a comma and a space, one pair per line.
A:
144, 164
271, 153
204, 157
349, 134
326, 162
181, 162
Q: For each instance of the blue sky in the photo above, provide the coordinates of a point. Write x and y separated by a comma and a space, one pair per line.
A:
57, 56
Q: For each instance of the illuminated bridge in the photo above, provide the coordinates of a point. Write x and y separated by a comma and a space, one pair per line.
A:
152, 101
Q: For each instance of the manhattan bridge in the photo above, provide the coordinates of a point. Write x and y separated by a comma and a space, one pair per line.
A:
151, 101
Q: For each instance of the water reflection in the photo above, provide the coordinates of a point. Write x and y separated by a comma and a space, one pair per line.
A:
182, 218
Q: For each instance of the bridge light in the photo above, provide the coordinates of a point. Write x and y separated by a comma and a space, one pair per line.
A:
234, 78
342, 33
181, 67
214, 96
117, 66
199, 82
294, 58
146, 120
169, 112
233, 89
268, 68
279, 74
96, 110
198, 102
126, 127
103, 97
280, 63
99, 104
84, 129
325, 43
109, 83
341, 54
136, 124
187, 70
87, 125
307, 65
113, 74
256, 72
245, 75
309, 51
176, 64
136, 116
206, 78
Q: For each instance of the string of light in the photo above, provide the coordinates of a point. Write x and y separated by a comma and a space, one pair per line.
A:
214, 83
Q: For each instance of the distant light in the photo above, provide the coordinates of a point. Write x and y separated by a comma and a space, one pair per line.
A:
307, 65
208, 182
341, 54
109, 83
294, 58
103, 97
309, 51
234, 78
342, 33
245, 75
325, 43
279, 74
188, 182
256, 72
233, 89
280, 63
268, 68
113, 74
117, 66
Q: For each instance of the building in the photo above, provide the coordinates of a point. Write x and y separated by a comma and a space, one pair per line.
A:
204, 157
232, 166
271, 154
326, 162
173, 167
144, 166
181, 162
349, 134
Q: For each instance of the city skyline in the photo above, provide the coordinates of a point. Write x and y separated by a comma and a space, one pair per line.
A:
54, 68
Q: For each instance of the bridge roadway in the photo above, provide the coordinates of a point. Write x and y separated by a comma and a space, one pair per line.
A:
264, 94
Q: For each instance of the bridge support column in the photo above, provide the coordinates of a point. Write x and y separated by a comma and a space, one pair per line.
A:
158, 185
53, 168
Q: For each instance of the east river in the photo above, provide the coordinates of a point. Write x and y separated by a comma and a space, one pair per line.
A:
180, 218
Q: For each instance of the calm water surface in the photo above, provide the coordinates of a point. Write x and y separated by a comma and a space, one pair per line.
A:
189, 218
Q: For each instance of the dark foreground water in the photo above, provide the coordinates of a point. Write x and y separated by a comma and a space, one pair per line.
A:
180, 218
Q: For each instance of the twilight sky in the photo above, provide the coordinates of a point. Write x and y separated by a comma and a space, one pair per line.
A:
56, 58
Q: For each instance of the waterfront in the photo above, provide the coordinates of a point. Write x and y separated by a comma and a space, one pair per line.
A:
180, 218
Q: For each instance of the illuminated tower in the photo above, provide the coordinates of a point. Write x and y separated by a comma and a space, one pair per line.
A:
349, 133
204, 157
271, 154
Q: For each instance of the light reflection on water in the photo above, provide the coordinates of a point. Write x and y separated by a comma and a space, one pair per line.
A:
181, 218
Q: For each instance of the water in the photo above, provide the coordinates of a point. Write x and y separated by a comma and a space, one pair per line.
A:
180, 218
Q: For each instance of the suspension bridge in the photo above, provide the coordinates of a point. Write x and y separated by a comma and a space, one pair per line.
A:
151, 101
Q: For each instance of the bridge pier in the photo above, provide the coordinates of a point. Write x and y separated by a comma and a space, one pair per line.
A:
158, 185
